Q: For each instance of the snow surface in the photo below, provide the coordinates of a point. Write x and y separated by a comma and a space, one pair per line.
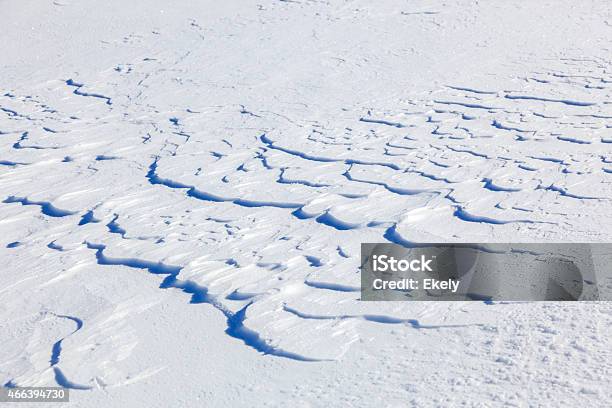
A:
184, 187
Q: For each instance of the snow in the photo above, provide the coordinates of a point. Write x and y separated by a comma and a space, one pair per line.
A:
184, 188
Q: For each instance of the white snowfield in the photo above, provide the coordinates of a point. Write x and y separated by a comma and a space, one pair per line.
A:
185, 185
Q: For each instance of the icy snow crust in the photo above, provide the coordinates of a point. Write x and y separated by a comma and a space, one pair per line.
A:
184, 190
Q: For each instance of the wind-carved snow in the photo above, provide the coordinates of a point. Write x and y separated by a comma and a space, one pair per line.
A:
254, 208
454, 164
